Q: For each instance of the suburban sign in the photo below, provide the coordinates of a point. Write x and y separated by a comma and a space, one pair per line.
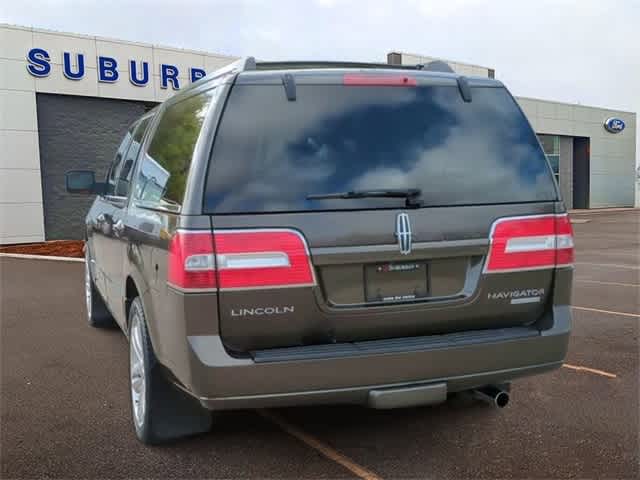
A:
108, 70
614, 125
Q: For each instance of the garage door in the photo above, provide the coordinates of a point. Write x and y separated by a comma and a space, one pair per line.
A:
77, 133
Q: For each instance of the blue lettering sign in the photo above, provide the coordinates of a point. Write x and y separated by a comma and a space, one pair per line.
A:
169, 73
107, 70
39, 65
133, 73
196, 74
68, 71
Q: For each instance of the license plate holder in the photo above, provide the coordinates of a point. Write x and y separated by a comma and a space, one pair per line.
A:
396, 281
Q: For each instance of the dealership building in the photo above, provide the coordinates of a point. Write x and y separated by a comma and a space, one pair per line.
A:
66, 101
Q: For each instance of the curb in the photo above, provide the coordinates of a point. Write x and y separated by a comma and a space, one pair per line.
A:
25, 256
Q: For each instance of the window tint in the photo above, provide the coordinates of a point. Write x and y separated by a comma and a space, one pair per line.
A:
271, 153
165, 165
126, 167
117, 161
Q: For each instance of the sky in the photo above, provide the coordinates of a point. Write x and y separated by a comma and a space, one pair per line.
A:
578, 51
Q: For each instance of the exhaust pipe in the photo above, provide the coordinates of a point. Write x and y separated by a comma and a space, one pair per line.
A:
492, 395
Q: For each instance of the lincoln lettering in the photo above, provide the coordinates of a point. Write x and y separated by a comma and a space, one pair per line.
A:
108, 69
243, 312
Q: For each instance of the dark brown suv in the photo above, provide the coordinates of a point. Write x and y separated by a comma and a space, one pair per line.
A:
307, 233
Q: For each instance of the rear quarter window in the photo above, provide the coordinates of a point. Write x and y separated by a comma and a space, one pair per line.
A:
162, 177
270, 153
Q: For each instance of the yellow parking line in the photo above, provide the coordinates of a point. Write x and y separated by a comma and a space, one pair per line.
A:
590, 370
610, 312
618, 284
317, 445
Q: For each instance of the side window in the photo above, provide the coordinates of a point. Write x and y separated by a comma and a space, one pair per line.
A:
164, 168
117, 161
126, 166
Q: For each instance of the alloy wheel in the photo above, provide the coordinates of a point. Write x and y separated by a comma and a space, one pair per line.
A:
137, 369
87, 287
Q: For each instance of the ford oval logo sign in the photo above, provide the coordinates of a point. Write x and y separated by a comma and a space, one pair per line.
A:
614, 125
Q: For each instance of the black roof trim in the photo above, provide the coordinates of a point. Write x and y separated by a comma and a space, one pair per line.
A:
289, 86
463, 86
301, 65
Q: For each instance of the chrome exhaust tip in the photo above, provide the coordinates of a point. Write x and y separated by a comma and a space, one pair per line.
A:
492, 395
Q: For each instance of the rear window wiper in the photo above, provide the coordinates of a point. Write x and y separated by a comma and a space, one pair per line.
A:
410, 194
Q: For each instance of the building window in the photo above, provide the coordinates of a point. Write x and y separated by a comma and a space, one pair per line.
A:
551, 147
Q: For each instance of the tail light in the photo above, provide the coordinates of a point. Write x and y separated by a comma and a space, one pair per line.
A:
379, 80
530, 243
191, 261
243, 259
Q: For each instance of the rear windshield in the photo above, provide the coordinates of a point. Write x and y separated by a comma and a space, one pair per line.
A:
270, 153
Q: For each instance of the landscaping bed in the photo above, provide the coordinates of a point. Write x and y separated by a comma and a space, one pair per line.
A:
54, 248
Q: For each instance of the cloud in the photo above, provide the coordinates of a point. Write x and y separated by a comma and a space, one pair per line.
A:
442, 10
327, 3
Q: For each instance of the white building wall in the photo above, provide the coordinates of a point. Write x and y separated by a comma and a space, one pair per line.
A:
612, 156
21, 212
21, 217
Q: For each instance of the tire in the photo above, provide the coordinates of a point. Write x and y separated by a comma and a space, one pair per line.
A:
160, 411
98, 314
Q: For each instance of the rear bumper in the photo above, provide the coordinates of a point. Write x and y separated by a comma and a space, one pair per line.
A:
421, 374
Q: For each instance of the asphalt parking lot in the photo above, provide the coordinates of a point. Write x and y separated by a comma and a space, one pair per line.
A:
65, 396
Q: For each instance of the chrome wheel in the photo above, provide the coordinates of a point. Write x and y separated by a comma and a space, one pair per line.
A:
87, 286
137, 369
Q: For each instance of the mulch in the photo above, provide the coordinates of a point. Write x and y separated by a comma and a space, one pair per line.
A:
54, 248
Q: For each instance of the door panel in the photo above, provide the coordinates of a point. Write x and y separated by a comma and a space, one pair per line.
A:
99, 226
120, 241
113, 257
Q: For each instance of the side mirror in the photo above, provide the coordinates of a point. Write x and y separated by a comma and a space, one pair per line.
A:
82, 181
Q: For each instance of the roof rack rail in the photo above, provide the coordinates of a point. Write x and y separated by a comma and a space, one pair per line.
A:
240, 65
301, 65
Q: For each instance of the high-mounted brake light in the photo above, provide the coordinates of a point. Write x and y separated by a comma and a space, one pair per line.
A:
530, 243
244, 259
379, 80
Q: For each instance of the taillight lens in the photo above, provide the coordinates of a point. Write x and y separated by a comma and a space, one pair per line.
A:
379, 80
243, 259
262, 258
191, 262
530, 243
564, 241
